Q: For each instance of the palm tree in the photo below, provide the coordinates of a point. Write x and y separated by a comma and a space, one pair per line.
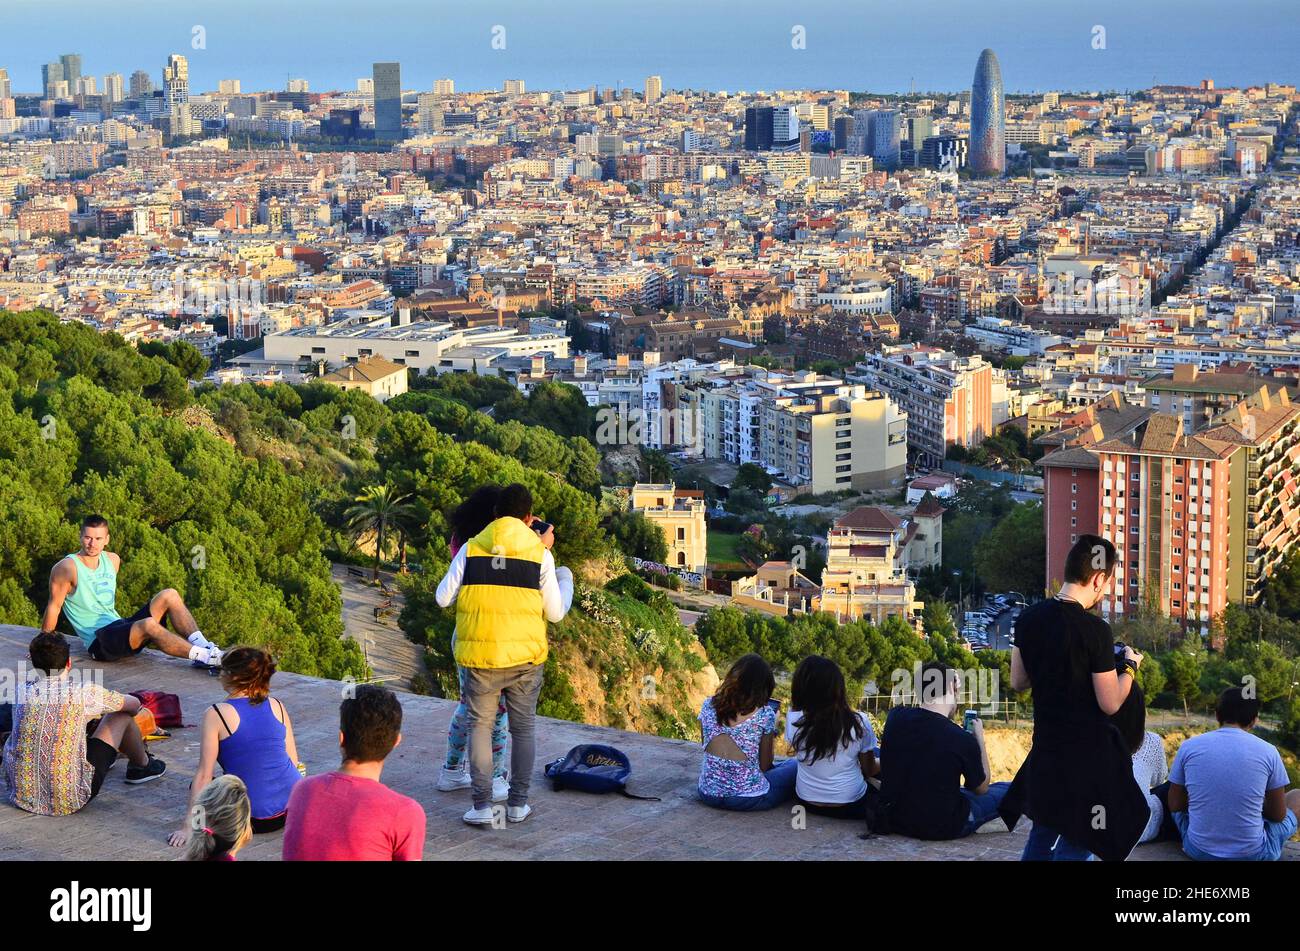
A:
376, 509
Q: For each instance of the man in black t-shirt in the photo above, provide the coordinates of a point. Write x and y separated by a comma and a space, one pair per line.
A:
1077, 784
924, 759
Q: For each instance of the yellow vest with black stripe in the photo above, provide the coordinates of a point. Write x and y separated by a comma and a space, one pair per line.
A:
499, 617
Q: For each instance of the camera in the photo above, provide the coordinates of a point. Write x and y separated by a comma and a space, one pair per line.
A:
1121, 657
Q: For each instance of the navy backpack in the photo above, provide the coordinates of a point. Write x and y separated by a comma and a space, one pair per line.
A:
595, 769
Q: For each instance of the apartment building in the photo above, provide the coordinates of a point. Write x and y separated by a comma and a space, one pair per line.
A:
833, 437
1200, 519
1071, 474
947, 399
679, 513
1164, 503
809, 430
1200, 396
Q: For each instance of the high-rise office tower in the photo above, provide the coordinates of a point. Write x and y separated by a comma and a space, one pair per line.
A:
388, 101
843, 132
366, 86
878, 133
51, 76
758, 128
141, 84
5, 90
297, 85
785, 129
71, 63
229, 87
114, 87
513, 87
919, 128
176, 81
86, 86
429, 112
444, 87
654, 88
988, 120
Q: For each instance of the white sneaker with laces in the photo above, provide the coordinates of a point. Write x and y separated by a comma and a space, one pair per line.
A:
518, 813
500, 789
479, 817
453, 779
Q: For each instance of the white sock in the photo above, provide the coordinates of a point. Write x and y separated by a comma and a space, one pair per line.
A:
197, 639
202, 654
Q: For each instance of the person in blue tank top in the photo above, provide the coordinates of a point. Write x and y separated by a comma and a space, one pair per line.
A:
248, 735
83, 587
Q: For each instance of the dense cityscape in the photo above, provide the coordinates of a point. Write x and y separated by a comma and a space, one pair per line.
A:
806, 373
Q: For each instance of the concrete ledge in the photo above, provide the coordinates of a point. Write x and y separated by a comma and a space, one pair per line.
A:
132, 822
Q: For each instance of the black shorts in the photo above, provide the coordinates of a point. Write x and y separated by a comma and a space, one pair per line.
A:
100, 756
113, 640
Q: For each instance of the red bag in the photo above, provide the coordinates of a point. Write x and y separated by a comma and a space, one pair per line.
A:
165, 707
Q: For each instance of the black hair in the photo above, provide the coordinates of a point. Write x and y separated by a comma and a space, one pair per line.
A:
371, 722
475, 513
829, 724
94, 521
49, 652
748, 685
514, 501
1235, 708
1131, 718
936, 675
1089, 555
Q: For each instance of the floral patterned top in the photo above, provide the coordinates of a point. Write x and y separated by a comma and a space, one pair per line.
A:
720, 776
45, 758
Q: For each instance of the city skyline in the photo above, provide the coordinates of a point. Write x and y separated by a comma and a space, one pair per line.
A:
928, 46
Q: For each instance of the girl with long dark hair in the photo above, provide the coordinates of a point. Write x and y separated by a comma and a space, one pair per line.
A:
471, 517
738, 728
1150, 767
833, 744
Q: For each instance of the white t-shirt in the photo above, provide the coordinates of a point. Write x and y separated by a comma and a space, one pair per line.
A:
835, 779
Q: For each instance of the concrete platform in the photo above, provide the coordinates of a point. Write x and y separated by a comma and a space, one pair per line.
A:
132, 822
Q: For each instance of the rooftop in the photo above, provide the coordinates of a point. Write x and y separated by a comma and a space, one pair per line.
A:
132, 822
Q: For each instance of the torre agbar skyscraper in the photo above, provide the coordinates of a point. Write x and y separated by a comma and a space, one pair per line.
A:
988, 119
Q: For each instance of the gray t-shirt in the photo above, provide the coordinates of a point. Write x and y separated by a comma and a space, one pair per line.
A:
1227, 772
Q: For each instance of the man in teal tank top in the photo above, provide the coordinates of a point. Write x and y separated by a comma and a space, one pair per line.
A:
83, 586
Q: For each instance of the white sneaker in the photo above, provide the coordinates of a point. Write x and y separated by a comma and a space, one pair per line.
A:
479, 817
500, 789
453, 779
996, 824
518, 813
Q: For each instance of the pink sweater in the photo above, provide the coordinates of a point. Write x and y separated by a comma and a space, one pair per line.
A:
340, 818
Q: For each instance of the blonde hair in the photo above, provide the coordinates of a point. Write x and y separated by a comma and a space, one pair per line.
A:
221, 821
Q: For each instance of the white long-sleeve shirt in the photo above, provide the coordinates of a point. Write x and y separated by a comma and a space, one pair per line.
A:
556, 585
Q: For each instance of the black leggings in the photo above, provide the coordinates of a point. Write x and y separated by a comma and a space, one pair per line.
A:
269, 824
846, 810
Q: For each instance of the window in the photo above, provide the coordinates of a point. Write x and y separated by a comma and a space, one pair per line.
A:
1074, 506
1074, 487
1074, 522
681, 534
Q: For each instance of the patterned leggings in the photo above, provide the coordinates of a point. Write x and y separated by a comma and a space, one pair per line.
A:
458, 734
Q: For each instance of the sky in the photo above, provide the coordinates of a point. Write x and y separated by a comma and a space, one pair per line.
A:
869, 45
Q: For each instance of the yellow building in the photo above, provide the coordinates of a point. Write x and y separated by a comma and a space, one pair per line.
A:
679, 513
866, 568
376, 376
778, 588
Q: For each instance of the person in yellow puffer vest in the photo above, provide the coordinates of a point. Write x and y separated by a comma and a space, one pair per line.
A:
506, 587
